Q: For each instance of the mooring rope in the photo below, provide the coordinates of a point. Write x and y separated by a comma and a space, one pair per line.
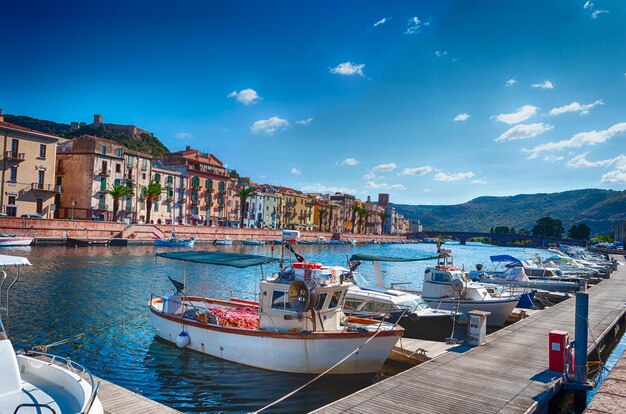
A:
99, 328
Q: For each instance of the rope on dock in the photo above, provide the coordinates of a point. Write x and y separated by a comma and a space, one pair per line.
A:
99, 328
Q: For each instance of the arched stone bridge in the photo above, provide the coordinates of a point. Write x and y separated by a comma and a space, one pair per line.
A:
463, 236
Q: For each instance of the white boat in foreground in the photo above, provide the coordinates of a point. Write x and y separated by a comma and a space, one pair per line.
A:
31, 385
298, 326
10, 239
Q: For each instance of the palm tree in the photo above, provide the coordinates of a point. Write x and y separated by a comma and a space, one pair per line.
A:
118, 191
151, 193
355, 211
331, 208
244, 193
365, 214
383, 216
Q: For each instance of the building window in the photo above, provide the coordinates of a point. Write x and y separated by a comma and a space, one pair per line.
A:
157, 178
118, 168
13, 175
195, 182
209, 184
169, 208
118, 181
104, 149
11, 209
39, 205
42, 151
130, 174
41, 176
156, 206
194, 210
143, 176
11, 200
130, 161
118, 152
222, 186
102, 202
15, 145
59, 180
103, 183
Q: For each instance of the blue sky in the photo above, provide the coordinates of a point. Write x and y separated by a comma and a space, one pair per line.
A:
433, 102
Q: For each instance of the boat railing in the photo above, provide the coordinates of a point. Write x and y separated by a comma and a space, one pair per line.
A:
72, 366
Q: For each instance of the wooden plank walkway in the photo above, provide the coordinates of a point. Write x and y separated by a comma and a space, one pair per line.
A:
119, 400
507, 375
611, 397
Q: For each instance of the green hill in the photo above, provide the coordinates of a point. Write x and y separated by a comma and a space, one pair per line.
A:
145, 142
599, 209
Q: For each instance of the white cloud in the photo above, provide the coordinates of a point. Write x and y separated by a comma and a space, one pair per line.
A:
479, 182
462, 117
614, 177
305, 122
348, 69
413, 25
296, 171
183, 135
269, 126
416, 170
575, 107
384, 186
588, 5
245, 96
321, 188
596, 13
370, 176
382, 21
546, 84
427, 190
524, 131
553, 158
511, 82
520, 115
440, 53
350, 162
580, 161
579, 140
385, 167
441, 176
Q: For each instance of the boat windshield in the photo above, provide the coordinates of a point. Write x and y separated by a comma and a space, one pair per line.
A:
415, 304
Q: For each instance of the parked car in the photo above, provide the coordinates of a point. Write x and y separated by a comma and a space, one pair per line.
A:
37, 216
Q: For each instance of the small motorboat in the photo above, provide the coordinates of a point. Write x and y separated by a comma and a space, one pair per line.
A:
79, 242
175, 242
10, 239
35, 382
223, 242
335, 242
250, 242
297, 326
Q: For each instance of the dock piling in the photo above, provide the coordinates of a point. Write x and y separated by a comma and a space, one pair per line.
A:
580, 349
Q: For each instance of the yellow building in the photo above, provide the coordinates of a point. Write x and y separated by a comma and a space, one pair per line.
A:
28, 178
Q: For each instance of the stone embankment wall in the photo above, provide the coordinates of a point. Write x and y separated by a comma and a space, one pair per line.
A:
42, 228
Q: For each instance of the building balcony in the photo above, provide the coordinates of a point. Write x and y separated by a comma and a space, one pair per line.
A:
101, 207
144, 168
14, 156
195, 202
104, 173
46, 188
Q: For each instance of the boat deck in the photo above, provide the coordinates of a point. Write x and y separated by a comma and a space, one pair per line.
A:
507, 375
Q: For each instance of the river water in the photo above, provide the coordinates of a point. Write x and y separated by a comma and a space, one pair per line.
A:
74, 290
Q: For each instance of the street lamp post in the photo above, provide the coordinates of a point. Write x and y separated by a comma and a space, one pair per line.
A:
73, 203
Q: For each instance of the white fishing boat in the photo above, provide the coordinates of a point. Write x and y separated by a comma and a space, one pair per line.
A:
10, 239
448, 287
297, 326
227, 241
175, 242
35, 382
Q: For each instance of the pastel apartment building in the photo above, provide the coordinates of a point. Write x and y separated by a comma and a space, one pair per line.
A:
28, 183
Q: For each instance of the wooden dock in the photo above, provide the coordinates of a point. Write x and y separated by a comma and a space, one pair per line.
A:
119, 400
507, 375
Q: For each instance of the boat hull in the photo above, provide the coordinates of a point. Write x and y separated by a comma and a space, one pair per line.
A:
223, 243
311, 353
500, 309
169, 243
15, 241
252, 242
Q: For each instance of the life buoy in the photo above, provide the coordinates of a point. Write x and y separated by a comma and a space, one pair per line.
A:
307, 265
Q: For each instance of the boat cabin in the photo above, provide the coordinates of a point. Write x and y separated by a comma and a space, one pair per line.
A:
444, 282
305, 297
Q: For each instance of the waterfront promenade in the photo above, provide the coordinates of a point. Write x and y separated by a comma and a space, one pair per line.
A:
507, 375
611, 397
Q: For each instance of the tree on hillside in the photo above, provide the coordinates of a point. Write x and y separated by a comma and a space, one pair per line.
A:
117, 192
548, 227
579, 232
243, 194
503, 230
152, 192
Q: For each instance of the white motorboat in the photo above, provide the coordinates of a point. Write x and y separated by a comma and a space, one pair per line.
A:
41, 383
227, 241
10, 239
448, 287
297, 326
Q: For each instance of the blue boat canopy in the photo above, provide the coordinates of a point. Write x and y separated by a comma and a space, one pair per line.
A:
220, 258
377, 258
504, 258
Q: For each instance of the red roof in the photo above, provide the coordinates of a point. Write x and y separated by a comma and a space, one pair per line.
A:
21, 128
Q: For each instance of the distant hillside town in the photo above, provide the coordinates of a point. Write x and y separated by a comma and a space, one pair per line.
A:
87, 176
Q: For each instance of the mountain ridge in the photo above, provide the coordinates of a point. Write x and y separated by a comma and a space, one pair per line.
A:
599, 209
